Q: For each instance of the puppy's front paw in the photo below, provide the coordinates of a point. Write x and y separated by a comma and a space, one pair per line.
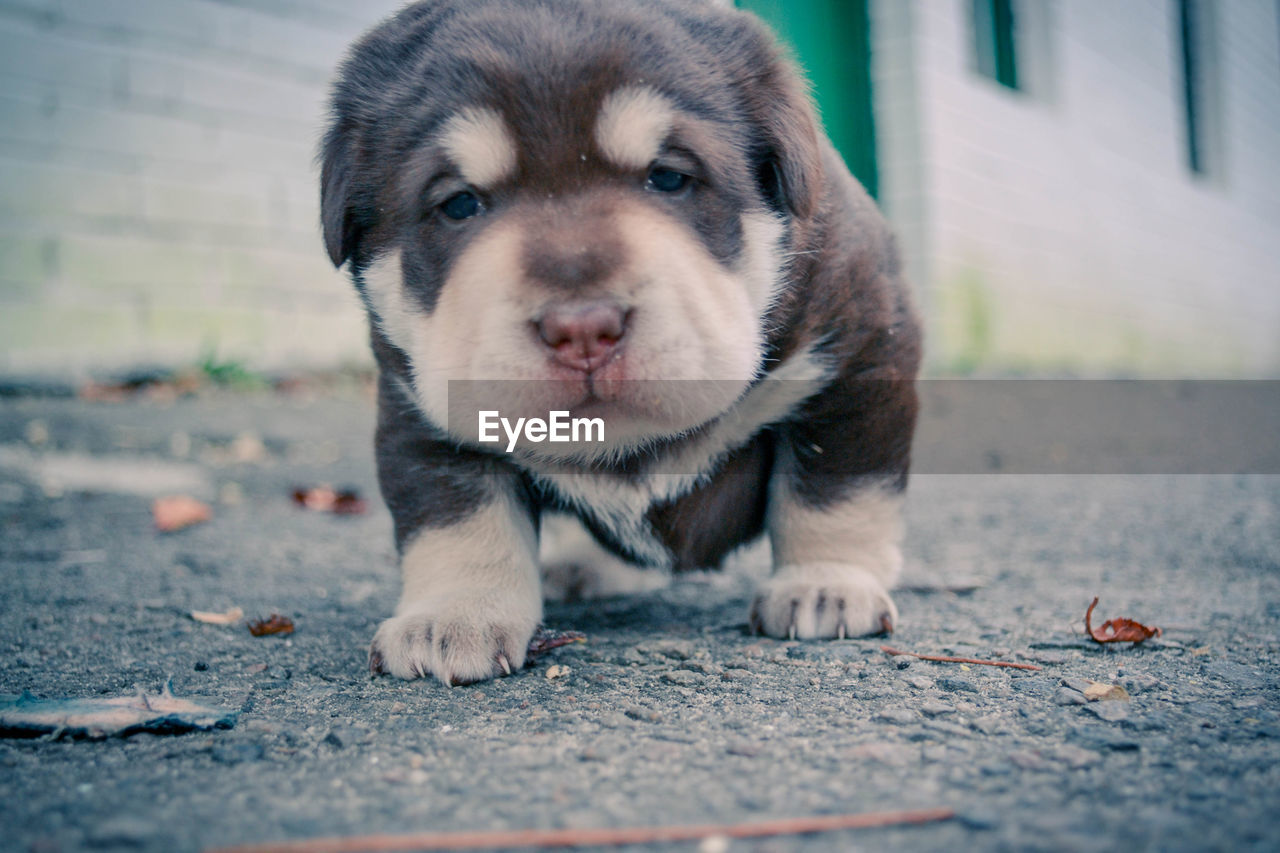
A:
822, 600
459, 642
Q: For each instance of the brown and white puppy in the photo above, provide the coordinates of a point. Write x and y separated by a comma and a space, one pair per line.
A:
621, 209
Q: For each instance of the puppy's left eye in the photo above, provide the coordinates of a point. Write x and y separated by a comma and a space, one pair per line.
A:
666, 180
460, 206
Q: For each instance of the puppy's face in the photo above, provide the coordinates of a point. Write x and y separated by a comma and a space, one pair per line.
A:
573, 209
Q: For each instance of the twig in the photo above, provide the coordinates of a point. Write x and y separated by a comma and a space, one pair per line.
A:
889, 650
591, 837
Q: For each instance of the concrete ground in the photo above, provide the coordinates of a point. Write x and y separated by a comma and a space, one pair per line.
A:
670, 713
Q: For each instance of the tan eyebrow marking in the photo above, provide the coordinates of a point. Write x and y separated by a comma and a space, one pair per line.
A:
632, 125
477, 141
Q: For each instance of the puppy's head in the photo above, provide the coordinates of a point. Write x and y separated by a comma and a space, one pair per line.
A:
576, 194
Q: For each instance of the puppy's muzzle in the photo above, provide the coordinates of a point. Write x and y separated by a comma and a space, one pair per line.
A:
583, 335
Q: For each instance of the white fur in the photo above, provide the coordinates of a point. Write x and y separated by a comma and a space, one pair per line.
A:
384, 288
471, 599
833, 567
761, 264
576, 566
632, 126
477, 141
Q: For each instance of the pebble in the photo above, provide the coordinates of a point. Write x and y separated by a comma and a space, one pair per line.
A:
946, 728
746, 749
1050, 658
1156, 721
955, 684
341, 736
899, 716
1080, 685
646, 715
1139, 682
676, 649
1067, 696
920, 682
1028, 759
705, 667
989, 725
936, 709
1112, 712
683, 678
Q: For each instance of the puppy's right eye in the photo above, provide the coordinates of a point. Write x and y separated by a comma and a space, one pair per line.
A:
460, 206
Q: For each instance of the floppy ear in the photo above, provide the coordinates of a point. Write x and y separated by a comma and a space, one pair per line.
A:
787, 159
336, 214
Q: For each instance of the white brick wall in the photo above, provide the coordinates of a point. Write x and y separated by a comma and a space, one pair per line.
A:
158, 191
1062, 229
157, 182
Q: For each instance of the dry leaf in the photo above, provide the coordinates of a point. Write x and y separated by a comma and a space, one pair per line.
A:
273, 624
230, 617
1118, 630
1098, 691
327, 499
27, 716
179, 511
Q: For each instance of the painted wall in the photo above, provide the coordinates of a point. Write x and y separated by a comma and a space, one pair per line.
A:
158, 189
157, 185
1060, 228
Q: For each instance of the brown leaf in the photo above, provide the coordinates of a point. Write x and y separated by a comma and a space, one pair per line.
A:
325, 498
1118, 630
273, 624
230, 617
179, 511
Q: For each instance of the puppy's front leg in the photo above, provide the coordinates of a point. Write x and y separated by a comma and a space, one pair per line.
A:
833, 564
471, 599
465, 530
834, 516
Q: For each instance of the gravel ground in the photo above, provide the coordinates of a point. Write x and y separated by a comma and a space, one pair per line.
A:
670, 713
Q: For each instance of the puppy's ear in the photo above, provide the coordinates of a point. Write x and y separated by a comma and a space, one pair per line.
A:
336, 176
788, 163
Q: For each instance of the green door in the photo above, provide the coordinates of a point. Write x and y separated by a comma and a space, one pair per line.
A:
832, 40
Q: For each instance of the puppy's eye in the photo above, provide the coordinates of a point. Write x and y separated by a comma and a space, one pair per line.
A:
460, 206
666, 180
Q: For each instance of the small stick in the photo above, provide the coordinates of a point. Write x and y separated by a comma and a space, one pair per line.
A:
889, 650
591, 837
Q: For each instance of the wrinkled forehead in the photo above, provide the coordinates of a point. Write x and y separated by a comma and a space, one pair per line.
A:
540, 119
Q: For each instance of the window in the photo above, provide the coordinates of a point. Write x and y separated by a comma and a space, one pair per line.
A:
995, 41
1197, 55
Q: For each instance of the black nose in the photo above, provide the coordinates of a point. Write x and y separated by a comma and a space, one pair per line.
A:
583, 335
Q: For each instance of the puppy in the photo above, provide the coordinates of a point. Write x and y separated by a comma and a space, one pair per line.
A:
624, 211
